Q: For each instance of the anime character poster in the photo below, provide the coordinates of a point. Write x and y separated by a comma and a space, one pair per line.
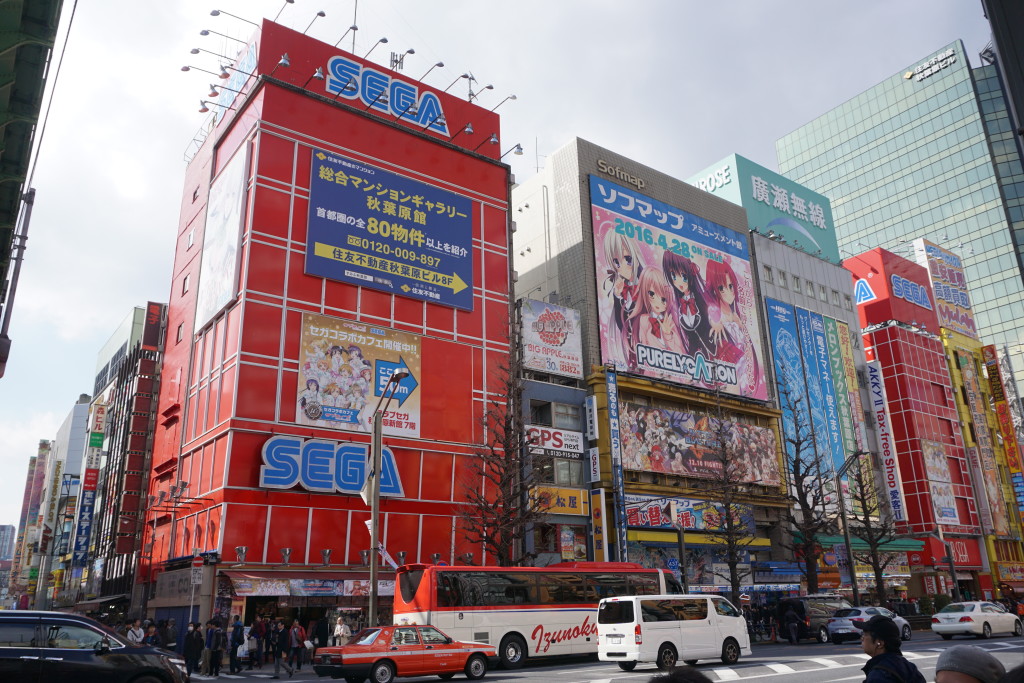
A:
344, 368
675, 442
676, 295
789, 373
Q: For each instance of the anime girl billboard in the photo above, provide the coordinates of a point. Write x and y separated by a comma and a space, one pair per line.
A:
675, 294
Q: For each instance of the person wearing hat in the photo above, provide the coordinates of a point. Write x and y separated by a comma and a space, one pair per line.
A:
968, 664
881, 641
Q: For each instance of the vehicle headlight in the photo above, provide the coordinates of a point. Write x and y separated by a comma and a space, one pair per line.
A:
180, 663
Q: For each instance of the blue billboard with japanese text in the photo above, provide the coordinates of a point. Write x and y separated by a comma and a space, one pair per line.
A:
378, 229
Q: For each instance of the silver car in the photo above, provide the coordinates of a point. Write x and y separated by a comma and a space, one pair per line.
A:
842, 624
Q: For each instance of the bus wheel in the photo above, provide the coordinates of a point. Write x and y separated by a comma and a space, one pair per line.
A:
667, 657
512, 652
627, 666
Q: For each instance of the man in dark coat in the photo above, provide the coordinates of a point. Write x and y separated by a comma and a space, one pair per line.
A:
881, 641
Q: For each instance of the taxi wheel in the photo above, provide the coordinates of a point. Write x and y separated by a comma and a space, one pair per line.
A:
476, 667
512, 652
382, 672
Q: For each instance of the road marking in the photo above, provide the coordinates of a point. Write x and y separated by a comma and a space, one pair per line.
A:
914, 655
779, 668
727, 674
830, 663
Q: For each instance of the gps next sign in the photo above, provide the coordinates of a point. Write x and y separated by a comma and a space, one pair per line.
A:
775, 204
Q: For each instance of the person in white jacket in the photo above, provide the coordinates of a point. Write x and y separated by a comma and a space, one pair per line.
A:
135, 633
342, 632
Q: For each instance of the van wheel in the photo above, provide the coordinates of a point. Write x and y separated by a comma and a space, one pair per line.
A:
667, 657
512, 652
822, 636
689, 662
730, 651
627, 666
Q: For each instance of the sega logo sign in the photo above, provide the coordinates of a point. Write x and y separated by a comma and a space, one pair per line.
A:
324, 466
910, 291
351, 80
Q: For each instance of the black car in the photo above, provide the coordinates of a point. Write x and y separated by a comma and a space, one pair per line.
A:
40, 647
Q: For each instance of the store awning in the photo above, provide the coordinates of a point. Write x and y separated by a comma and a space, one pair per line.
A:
93, 605
256, 583
897, 545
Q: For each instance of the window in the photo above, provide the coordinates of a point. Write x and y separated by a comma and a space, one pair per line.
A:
725, 608
810, 288
682, 609
835, 298
71, 637
191, 238
823, 293
184, 284
782, 279
405, 636
796, 283
431, 636
181, 333
848, 302
567, 417
562, 472
18, 634
767, 273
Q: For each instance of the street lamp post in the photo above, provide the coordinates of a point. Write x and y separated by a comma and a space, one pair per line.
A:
373, 481
850, 564
950, 563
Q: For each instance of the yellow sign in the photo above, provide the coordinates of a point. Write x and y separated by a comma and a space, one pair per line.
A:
561, 501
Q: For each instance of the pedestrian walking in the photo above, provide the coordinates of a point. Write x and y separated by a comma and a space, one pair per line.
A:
881, 641
193, 647
171, 636
258, 633
237, 640
277, 643
297, 642
135, 633
968, 664
218, 643
792, 623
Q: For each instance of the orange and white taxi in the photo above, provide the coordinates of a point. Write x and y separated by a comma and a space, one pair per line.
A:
386, 652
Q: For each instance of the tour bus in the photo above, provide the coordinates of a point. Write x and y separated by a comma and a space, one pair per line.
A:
525, 611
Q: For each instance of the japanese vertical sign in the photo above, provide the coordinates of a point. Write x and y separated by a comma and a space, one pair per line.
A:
1006, 429
598, 525
617, 483
892, 482
789, 373
846, 346
828, 390
344, 368
377, 229
815, 396
949, 285
675, 294
987, 479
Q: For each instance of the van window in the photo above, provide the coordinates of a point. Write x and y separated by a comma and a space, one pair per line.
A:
18, 634
725, 608
618, 612
685, 609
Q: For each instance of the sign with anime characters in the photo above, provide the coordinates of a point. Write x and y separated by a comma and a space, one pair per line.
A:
650, 512
344, 368
676, 442
675, 292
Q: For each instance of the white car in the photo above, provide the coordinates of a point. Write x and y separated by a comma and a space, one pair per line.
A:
842, 624
980, 619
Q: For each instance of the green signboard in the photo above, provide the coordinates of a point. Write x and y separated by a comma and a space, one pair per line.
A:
776, 206
95, 439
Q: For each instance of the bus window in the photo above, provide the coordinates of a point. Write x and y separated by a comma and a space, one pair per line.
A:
448, 592
608, 585
409, 583
644, 584
561, 589
671, 584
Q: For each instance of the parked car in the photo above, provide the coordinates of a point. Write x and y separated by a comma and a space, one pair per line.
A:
814, 612
55, 647
665, 629
384, 653
842, 624
976, 618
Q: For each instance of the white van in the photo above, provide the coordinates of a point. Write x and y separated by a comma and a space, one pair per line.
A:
666, 629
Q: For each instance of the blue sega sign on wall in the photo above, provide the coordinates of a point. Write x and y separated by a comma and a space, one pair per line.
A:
324, 466
373, 228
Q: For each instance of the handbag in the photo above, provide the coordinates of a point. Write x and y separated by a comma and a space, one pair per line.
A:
308, 644
242, 650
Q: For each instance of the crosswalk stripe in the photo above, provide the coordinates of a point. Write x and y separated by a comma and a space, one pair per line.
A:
830, 663
913, 655
726, 674
780, 668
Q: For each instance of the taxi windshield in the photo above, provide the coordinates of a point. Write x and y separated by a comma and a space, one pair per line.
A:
366, 636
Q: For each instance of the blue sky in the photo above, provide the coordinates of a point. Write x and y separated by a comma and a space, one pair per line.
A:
674, 84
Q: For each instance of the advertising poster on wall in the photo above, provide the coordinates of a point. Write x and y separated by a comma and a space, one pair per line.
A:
828, 390
949, 285
675, 294
344, 368
377, 229
218, 271
552, 340
676, 442
651, 512
789, 373
815, 396
944, 503
842, 389
935, 463
988, 476
846, 345
879, 407
1006, 428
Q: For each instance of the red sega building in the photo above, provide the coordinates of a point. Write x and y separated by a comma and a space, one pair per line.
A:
930, 487
339, 222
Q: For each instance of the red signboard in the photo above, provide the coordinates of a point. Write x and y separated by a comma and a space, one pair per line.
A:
889, 287
90, 480
966, 553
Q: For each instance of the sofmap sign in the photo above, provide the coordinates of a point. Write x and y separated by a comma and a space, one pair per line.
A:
351, 80
324, 466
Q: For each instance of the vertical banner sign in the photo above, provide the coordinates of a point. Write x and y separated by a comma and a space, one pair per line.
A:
828, 390
842, 390
815, 399
590, 404
995, 381
789, 373
595, 464
598, 525
619, 486
552, 339
852, 384
377, 229
949, 285
986, 479
887, 447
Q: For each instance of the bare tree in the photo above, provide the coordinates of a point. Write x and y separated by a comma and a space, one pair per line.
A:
727, 488
807, 515
502, 504
870, 522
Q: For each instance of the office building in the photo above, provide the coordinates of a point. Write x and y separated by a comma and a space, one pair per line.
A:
8, 532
